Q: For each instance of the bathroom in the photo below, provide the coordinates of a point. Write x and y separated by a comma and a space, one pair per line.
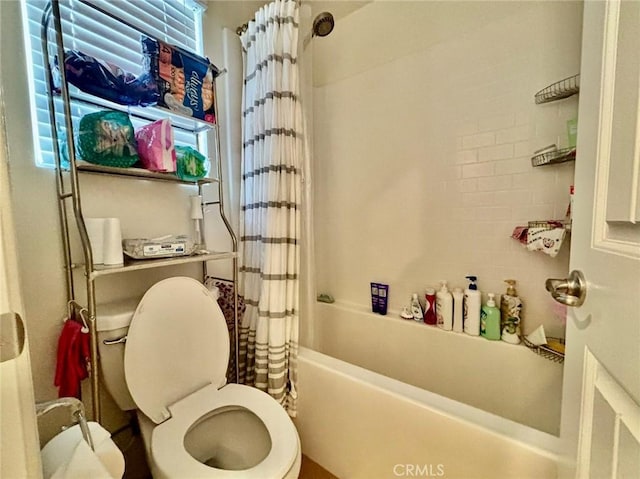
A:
422, 124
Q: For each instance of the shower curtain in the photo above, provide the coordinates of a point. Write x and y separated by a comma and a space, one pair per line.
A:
272, 158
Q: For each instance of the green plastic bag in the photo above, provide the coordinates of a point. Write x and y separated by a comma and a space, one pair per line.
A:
191, 165
107, 138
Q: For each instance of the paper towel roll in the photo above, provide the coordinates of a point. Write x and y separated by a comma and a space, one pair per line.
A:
95, 230
112, 242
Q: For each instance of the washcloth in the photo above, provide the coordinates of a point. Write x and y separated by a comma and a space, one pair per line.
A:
520, 234
73, 355
546, 239
68, 456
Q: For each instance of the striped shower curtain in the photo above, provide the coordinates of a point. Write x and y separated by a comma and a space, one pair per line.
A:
272, 159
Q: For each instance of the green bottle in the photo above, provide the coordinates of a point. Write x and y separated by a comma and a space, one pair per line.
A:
490, 319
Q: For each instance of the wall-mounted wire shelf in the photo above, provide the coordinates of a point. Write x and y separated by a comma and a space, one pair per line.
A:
545, 350
554, 157
559, 90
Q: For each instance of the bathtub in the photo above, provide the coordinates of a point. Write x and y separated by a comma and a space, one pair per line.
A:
504, 379
360, 424
385, 397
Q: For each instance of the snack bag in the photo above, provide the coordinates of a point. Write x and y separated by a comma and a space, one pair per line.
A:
155, 146
184, 80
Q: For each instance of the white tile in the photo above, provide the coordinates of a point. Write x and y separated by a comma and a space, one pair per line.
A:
468, 128
466, 156
509, 167
479, 140
522, 148
513, 135
494, 183
477, 170
496, 122
462, 186
492, 153
478, 199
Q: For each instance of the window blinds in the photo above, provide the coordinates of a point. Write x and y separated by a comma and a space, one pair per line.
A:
178, 22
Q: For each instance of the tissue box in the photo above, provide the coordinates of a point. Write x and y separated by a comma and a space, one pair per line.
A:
164, 247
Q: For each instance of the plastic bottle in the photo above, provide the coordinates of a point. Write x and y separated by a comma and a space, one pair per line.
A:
472, 305
416, 309
458, 299
444, 307
490, 319
510, 311
430, 317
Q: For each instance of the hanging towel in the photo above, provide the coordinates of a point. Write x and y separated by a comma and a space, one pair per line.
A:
73, 355
546, 239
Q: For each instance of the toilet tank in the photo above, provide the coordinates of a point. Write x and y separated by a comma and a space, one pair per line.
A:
112, 323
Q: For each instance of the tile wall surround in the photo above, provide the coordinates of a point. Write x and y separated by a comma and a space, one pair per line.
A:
422, 163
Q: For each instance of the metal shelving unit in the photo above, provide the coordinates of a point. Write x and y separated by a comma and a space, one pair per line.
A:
71, 194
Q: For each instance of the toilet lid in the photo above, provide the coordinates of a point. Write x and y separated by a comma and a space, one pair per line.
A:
178, 342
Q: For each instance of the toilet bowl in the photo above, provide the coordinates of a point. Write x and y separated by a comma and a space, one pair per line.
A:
175, 360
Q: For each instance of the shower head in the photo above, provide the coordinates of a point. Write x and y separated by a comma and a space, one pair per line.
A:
323, 24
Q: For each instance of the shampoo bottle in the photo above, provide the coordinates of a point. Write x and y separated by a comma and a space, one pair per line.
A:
444, 307
416, 309
510, 309
458, 298
472, 305
430, 307
490, 319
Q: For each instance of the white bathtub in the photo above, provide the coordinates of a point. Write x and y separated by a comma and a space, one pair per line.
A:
359, 424
497, 377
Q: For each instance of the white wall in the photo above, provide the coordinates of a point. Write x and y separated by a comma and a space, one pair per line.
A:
424, 125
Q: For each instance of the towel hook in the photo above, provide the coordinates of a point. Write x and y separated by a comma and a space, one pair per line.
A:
81, 310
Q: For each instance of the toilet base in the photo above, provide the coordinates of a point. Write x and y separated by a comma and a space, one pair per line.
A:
146, 428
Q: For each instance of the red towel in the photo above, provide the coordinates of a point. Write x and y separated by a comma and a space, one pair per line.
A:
73, 355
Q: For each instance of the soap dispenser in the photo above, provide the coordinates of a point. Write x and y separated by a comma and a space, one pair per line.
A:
471, 307
490, 319
444, 307
510, 312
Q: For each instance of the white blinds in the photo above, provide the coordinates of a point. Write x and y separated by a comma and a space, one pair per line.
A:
178, 22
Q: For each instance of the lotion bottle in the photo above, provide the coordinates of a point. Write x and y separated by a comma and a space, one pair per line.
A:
490, 320
458, 299
430, 316
416, 309
511, 310
444, 307
472, 305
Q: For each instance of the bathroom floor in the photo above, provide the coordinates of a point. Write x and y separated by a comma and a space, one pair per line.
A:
137, 468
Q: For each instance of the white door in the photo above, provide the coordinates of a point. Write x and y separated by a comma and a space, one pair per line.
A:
19, 444
601, 396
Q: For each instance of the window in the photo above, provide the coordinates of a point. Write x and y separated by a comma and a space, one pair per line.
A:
178, 22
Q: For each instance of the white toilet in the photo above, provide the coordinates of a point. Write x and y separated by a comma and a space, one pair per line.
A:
175, 361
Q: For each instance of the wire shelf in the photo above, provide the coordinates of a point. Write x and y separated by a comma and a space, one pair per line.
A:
545, 351
559, 90
554, 157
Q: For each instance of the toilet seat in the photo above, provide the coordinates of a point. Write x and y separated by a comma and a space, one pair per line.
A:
167, 440
178, 342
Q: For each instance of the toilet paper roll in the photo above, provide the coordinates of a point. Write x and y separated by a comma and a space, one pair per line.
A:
95, 230
112, 242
